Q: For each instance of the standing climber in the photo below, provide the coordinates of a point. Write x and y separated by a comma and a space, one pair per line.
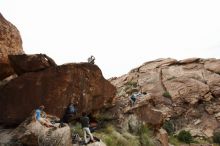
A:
85, 125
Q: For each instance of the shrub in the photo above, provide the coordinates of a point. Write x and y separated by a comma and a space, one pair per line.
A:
145, 136
130, 87
167, 94
169, 127
113, 138
130, 83
132, 139
104, 116
77, 129
216, 137
185, 136
109, 129
174, 141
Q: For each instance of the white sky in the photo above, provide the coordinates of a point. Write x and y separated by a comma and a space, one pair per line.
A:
121, 34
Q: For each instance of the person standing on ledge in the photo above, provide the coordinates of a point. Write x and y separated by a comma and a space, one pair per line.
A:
85, 125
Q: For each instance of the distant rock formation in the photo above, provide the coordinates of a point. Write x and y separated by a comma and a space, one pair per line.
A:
185, 92
10, 44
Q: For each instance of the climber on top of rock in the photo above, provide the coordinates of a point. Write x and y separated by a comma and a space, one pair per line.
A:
42, 119
91, 59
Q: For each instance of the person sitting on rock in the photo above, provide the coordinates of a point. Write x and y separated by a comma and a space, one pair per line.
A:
85, 125
91, 59
69, 114
42, 120
134, 96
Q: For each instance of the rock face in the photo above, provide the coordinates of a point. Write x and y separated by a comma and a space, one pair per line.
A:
55, 87
6, 70
10, 43
185, 92
163, 137
30, 63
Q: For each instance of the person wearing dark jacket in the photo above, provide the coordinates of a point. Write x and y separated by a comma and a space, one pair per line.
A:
69, 114
85, 126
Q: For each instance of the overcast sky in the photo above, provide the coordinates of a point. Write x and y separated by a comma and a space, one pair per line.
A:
121, 34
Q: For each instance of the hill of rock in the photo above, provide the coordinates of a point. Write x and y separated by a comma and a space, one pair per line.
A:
186, 93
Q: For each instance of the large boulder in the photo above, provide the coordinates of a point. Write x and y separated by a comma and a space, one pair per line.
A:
30, 63
148, 115
163, 137
10, 44
32, 133
188, 90
55, 87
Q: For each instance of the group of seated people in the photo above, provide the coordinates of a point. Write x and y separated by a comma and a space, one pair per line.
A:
42, 117
70, 112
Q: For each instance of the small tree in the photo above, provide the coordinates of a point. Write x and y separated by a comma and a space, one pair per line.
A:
185, 136
216, 137
169, 127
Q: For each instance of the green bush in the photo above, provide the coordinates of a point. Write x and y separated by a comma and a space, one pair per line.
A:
130, 83
104, 116
109, 129
145, 136
167, 94
174, 141
112, 137
169, 127
77, 129
216, 137
185, 136
130, 87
